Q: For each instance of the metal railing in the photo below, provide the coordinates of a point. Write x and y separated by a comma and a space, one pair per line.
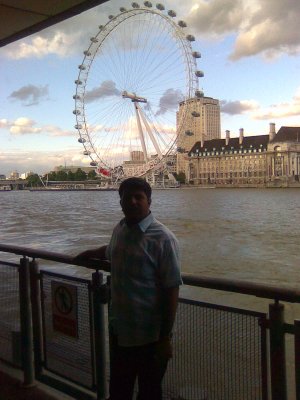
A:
220, 351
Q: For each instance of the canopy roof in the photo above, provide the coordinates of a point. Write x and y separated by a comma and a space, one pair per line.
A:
23, 18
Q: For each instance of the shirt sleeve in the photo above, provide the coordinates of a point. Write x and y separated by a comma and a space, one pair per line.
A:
169, 265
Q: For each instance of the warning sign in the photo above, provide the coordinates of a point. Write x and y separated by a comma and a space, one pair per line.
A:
64, 308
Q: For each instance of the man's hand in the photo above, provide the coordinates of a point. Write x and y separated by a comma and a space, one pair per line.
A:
93, 254
164, 350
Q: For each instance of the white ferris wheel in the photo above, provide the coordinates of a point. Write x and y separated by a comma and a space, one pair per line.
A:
135, 72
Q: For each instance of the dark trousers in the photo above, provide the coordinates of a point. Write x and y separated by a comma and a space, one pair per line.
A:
129, 363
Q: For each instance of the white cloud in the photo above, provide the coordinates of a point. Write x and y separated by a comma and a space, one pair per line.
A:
23, 126
27, 126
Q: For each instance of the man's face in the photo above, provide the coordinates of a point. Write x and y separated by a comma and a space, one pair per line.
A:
135, 205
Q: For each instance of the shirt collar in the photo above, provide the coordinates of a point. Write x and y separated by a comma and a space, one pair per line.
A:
146, 222
143, 224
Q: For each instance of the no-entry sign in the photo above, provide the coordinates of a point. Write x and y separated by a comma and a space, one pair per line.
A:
64, 308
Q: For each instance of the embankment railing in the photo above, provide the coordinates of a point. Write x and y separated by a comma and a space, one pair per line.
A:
220, 351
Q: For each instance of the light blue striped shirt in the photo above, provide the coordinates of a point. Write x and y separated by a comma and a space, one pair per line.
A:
144, 260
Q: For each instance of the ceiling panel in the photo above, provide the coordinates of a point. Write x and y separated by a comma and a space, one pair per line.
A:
22, 18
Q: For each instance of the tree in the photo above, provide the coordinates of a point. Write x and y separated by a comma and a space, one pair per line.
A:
92, 174
51, 176
180, 177
80, 175
33, 180
61, 176
71, 176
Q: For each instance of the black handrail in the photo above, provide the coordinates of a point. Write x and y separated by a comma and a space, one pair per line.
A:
229, 285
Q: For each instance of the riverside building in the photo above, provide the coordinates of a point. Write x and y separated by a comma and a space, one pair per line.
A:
263, 160
202, 123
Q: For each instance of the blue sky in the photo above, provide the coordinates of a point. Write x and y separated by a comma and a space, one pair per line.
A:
250, 58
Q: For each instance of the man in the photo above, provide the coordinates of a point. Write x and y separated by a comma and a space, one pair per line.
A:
145, 279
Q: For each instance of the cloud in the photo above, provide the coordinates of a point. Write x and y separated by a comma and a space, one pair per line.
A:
106, 89
257, 112
38, 161
23, 126
238, 107
30, 94
27, 126
59, 43
269, 28
169, 101
281, 110
216, 17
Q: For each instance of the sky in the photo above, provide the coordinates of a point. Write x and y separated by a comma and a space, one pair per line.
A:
250, 56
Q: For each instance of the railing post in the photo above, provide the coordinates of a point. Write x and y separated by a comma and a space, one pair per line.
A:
36, 317
26, 323
277, 352
99, 298
297, 358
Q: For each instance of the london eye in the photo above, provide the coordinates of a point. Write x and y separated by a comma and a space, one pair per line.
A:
136, 70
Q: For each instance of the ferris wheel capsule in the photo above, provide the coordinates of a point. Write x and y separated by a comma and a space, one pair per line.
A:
94, 40
81, 140
199, 74
196, 54
111, 16
148, 4
78, 82
100, 27
160, 6
87, 53
76, 97
93, 164
86, 153
78, 126
190, 38
122, 9
76, 112
82, 67
135, 5
199, 93
182, 24
172, 13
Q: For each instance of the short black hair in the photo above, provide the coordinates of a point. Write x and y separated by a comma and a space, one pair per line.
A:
135, 184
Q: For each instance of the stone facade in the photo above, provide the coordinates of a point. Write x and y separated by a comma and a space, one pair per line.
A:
263, 160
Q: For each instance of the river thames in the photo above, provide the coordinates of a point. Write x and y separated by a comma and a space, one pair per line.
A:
245, 234
250, 234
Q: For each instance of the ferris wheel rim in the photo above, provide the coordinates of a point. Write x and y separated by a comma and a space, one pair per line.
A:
89, 56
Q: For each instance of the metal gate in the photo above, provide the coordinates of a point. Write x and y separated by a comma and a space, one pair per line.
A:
219, 354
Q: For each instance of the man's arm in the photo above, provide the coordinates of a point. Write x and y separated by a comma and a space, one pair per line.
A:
169, 304
98, 254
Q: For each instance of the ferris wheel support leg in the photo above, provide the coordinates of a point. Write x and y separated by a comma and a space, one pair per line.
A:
140, 131
155, 144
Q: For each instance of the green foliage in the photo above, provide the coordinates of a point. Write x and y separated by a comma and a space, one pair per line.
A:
33, 180
92, 174
180, 177
80, 175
